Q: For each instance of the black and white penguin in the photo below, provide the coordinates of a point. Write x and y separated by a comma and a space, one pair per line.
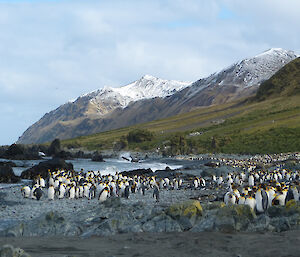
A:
176, 184
195, 183
86, 191
230, 198
142, 189
93, 191
42, 182
202, 182
292, 194
51, 192
103, 195
32, 196
61, 191
271, 195
261, 199
242, 199
38, 193
251, 180
127, 192
26, 191
250, 201
72, 192
156, 193
280, 198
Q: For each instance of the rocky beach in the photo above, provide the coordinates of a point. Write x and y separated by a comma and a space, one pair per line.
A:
187, 221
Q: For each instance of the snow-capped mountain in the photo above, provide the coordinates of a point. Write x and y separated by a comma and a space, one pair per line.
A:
145, 88
248, 72
145, 99
97, 104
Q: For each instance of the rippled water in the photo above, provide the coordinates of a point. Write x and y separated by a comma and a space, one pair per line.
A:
109, 166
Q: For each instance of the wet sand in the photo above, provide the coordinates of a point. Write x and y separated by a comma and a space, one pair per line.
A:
285, 244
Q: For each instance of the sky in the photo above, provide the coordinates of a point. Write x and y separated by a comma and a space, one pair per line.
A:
54, 51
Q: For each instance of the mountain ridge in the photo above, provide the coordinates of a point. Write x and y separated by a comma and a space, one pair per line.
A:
84, 116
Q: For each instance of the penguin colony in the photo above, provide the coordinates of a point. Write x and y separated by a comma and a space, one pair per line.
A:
254, 187
260, 189
75, 185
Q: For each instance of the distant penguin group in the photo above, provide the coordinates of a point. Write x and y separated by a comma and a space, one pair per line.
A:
262, 189
63, 184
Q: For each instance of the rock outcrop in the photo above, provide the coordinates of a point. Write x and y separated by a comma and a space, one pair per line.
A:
7, 175
43, 168
19, 152
97, 157
116, 216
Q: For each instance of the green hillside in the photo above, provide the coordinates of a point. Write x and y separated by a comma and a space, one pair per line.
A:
267, 123
286, 82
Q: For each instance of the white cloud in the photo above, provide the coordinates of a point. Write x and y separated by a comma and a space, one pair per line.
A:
54, 51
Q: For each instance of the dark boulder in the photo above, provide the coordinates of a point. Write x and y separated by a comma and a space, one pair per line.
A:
43, 168
19, 152
64, 155
212, 164
97, 157
2, 150
167, 173
7, 175
54, 148
138, 172
15, 149
79, 154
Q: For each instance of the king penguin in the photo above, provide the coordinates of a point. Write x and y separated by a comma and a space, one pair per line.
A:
261, 199
103, 195
38, 193
51, 192
26, 191
156, 193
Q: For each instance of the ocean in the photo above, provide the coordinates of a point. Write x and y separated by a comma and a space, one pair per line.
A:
110, 166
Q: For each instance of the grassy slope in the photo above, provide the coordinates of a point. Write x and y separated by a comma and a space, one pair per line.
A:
266, 123
269, 126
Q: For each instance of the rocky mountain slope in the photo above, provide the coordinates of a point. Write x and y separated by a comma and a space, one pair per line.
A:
95, 105
151, 98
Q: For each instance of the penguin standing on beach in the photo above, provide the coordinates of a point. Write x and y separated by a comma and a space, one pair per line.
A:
38, 193
280, 199
251, 180
93, 191
176, 184
42, 182
51, 192
72, 192
261, 200
62, 191
26, 191
127, 192
250, 201
32, 196
156, 193
230, 198
202, 182
242, 199
142, 189
195, 183
103, 195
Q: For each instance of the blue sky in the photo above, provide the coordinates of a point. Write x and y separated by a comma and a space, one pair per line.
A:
54, 51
